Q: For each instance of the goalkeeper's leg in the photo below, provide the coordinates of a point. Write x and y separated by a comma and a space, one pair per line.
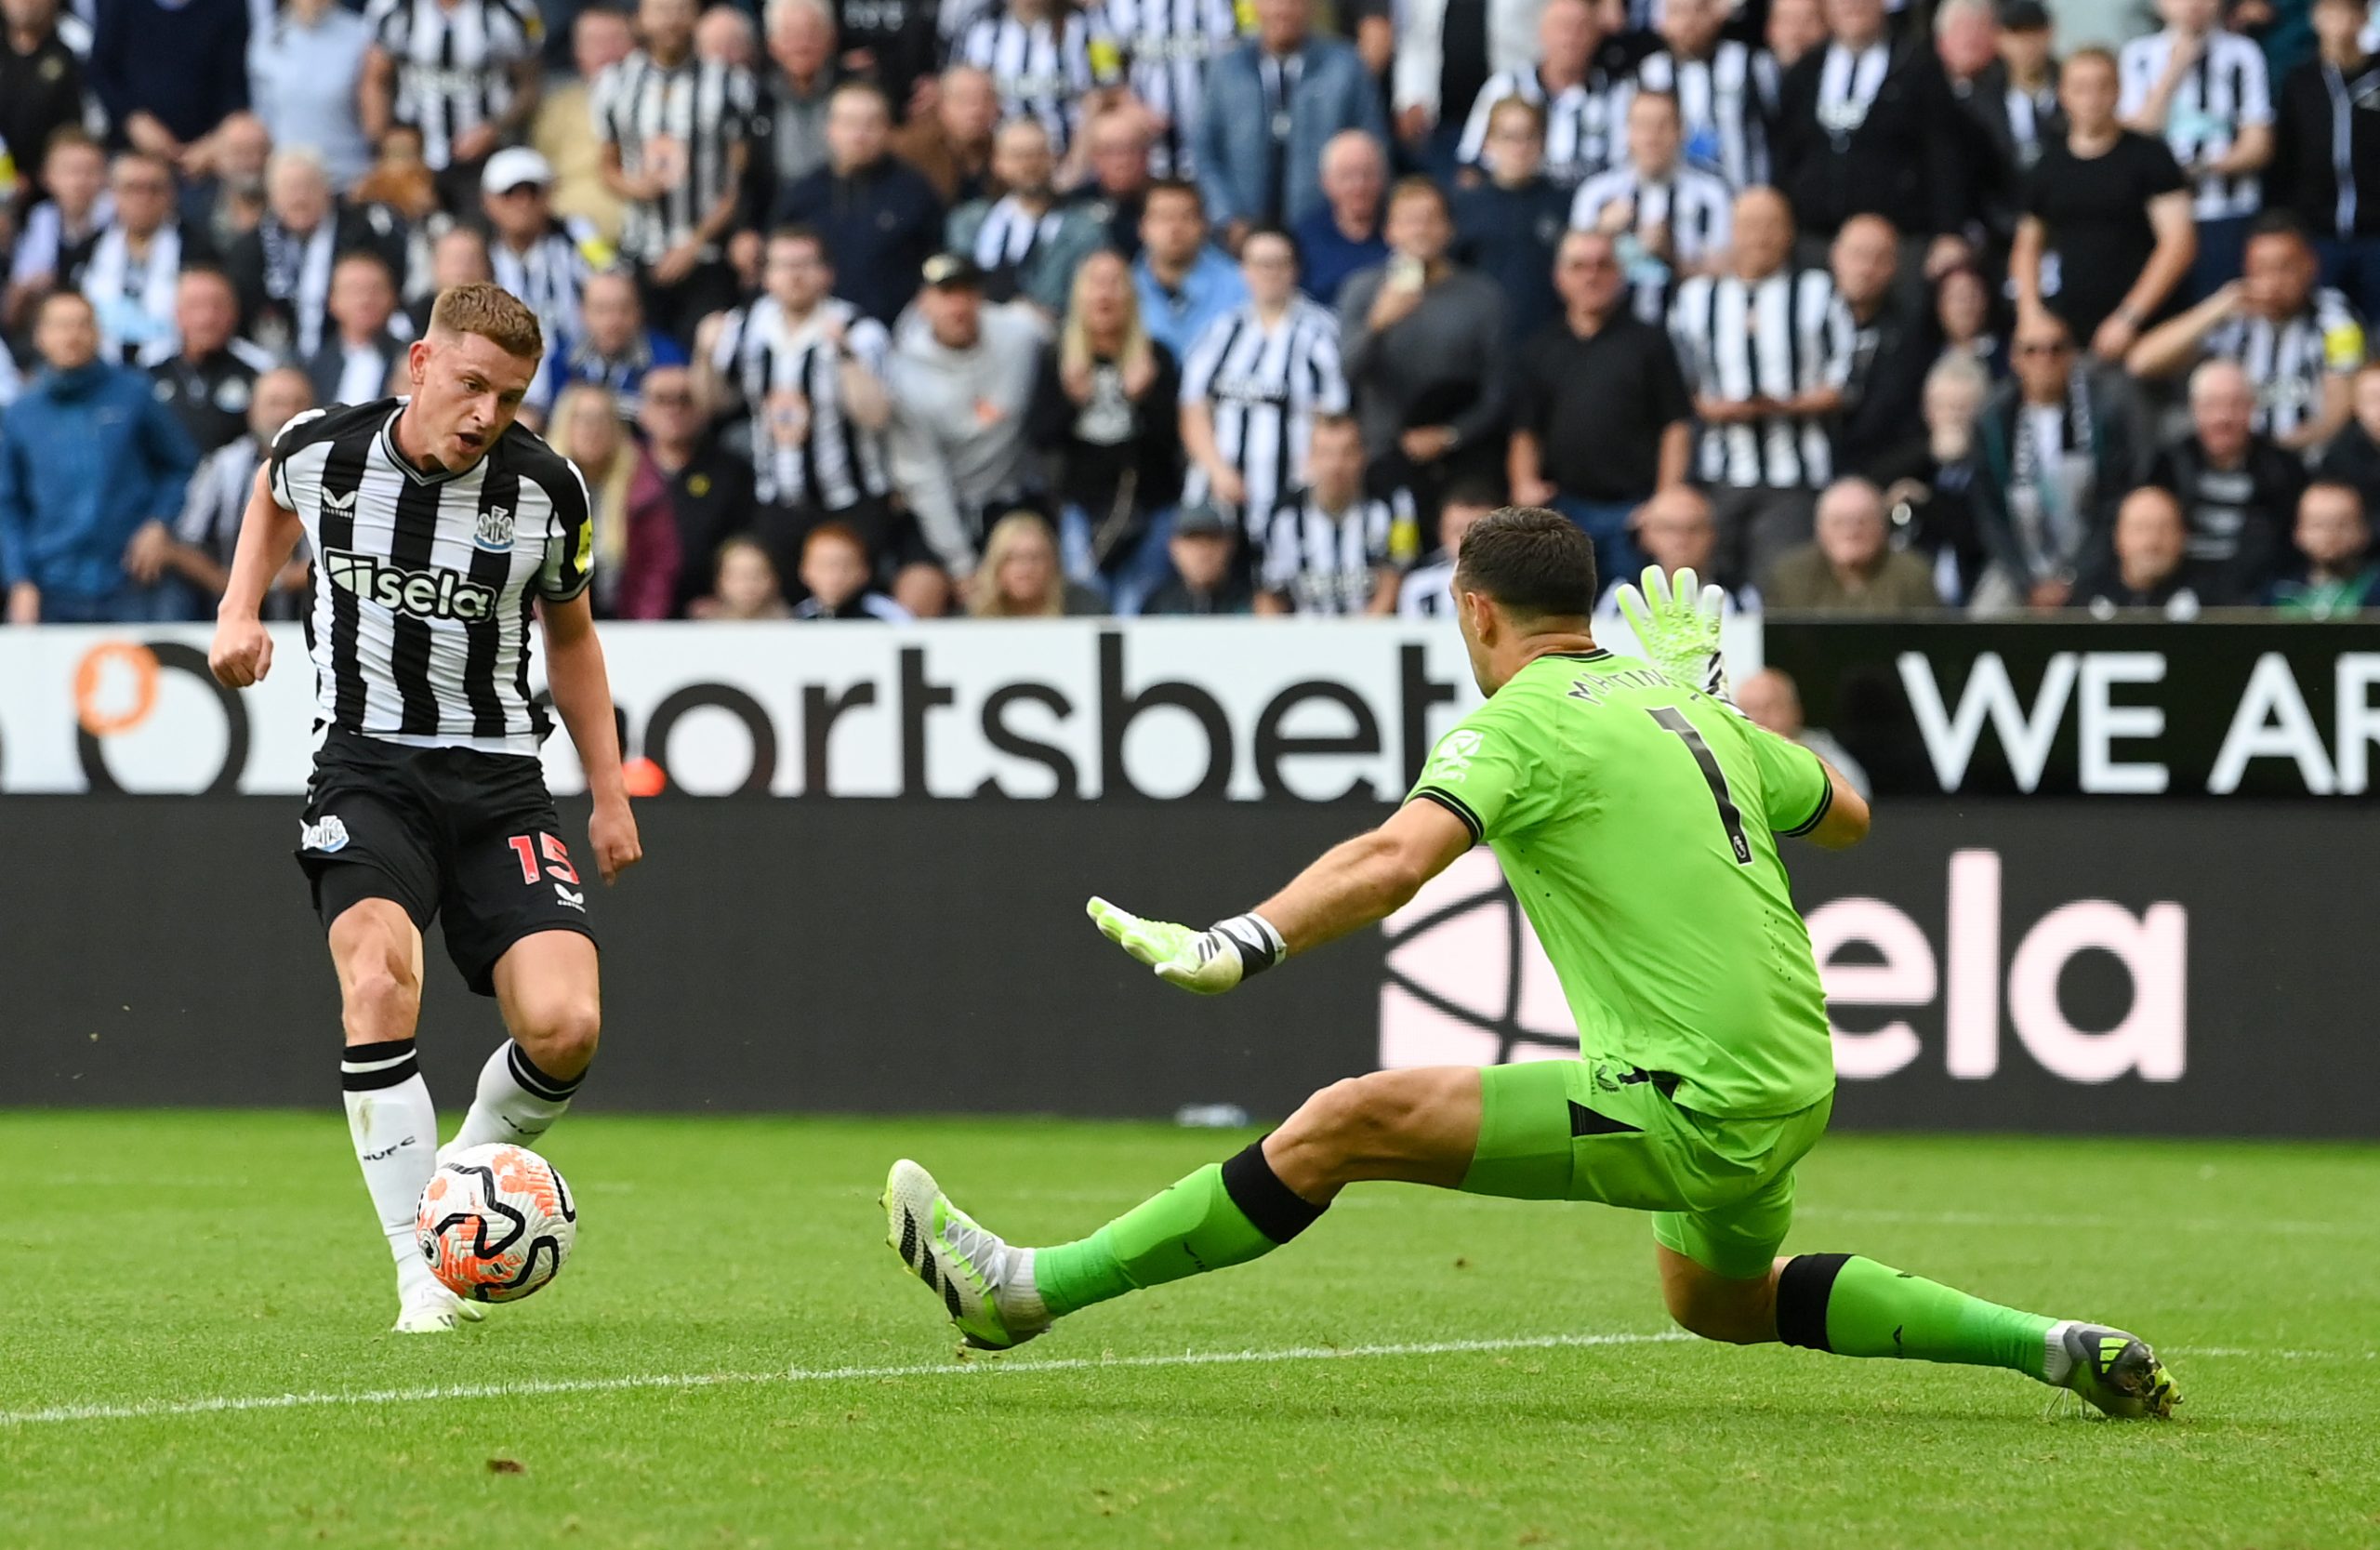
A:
1419, 1126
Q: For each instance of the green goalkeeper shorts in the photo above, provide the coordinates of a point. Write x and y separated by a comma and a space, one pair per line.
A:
1721, 1190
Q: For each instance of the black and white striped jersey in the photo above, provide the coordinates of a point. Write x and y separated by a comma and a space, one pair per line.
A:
552, 272
1161, 48
1427, 592
2226, 91
806, 449
1264, 386
213, 506
1325, 561
1041, 71
2290, 362
682, 121
454, 63
425, 586
1722, 102
1586, 125
1692, 206
1778, 337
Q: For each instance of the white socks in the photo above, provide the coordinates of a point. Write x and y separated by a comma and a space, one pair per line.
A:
395, 1127
515, 1102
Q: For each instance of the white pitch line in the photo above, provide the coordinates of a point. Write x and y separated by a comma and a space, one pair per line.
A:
222, 1404
227, 1404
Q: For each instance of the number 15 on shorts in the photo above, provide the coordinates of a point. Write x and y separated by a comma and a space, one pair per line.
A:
526, 848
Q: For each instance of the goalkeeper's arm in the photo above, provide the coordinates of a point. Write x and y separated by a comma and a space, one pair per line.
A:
1350, 886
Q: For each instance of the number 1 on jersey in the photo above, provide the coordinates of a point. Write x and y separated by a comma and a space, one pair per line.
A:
1674, 721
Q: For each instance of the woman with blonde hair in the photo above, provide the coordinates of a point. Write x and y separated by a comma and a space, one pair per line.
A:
1019, 577
1104, 413
637, 553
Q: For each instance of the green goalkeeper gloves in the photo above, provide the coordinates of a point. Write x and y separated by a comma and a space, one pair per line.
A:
1679, 627
1209, 962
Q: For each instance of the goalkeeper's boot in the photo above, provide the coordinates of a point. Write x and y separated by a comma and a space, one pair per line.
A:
2117, 1372
984, 1285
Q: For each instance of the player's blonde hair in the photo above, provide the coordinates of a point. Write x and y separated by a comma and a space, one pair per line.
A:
491, 313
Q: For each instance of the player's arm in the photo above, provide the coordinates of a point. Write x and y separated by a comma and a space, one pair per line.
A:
1352, 885
242, 653
1845, 822
582, 692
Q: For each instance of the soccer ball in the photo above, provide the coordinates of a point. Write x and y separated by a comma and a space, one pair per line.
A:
495, 1222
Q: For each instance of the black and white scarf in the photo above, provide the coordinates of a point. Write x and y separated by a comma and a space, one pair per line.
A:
298, 273
134, 302
2049, 487
1847, 88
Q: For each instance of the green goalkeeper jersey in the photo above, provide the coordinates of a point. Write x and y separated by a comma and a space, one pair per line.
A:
1637, 823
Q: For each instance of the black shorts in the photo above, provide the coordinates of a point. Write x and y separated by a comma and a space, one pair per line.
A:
472, 837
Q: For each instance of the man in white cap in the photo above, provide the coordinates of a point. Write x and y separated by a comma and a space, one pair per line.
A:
543, 259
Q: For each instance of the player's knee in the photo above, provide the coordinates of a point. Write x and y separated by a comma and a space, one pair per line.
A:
1733, 1313
383, 999
561, 1034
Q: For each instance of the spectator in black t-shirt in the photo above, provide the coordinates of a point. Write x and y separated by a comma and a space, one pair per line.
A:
2238, 490
2149, 565
2107, 233
2333, 189
209, 382
1600, 416
1930, 498
710, 489
1205, 580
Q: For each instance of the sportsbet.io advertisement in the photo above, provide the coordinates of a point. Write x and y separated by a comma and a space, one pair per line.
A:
2011, 962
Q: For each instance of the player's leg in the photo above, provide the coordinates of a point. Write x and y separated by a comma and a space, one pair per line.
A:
547, 985
516, 927
1419, 1126
376, 948
1723, 1280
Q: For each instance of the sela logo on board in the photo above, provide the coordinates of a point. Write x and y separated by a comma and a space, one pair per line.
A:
430, 594
1469, 985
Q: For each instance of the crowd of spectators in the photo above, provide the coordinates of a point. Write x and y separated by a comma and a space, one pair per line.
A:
1030, 308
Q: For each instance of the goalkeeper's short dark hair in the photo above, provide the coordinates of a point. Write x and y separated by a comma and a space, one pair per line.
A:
1532, 561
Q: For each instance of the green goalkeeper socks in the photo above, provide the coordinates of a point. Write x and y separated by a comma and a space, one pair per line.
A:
1223, 1214
1856, 1307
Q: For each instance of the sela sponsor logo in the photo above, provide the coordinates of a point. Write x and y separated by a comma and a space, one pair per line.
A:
495, 528
1469, 985
326, 834
430, 594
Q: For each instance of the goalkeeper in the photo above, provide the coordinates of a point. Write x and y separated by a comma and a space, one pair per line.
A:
1636, 816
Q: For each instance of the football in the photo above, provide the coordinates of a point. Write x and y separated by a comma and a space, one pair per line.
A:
495, 1224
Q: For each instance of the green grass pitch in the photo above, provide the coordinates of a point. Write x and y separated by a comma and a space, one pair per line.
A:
1419, 1370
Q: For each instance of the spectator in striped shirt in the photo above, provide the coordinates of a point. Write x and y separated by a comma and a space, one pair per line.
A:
1767, 351
1327, 548
1162, 48
2206, 93
2299, 343
465, 72
1254, 384
675, 131
1723, 85
1668, 218
1039, 55
210, 527
538, 256
1583, 78
1025, 242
